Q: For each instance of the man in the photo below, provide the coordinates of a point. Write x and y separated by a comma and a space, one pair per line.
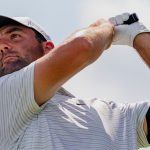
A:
35, 113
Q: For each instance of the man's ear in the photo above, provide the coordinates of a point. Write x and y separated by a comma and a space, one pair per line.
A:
47, 46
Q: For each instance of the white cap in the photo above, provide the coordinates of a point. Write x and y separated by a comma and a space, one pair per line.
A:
25, 21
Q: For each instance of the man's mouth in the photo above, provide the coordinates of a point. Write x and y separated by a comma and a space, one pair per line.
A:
8, 58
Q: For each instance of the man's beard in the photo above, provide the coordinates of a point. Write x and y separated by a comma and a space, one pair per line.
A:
20, 62
13, 66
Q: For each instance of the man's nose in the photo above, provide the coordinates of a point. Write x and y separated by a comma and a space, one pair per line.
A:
4, 48
4, 43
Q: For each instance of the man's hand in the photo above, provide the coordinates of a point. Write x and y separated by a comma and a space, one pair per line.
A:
126, 34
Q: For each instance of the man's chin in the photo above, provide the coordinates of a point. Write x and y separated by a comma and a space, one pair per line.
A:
6, 71
12, 66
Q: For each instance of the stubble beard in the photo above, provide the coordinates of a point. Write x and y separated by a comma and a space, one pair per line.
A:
18, 63
13, 66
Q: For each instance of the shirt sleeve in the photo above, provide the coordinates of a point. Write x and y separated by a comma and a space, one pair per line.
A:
138, 111
17, 103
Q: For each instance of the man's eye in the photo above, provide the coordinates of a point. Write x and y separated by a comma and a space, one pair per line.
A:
14, 36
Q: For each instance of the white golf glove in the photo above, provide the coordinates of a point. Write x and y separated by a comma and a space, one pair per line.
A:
125, 34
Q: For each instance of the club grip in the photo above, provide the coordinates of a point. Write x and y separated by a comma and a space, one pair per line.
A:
132, 18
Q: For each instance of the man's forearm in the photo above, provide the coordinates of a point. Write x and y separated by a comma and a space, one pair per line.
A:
142, 45
74, 54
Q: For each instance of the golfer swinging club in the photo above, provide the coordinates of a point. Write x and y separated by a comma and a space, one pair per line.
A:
36, 113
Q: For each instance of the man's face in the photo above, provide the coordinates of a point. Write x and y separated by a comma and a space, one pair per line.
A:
18, 48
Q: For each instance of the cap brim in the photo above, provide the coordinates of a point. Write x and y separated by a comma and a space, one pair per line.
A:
6, 21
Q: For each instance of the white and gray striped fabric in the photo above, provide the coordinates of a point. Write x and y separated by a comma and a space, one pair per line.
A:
65, 123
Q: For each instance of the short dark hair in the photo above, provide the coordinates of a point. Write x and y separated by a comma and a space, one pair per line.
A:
40, 38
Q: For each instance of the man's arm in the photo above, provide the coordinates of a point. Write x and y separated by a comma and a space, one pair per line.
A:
142, 45
135, 35
78, 51
145, 128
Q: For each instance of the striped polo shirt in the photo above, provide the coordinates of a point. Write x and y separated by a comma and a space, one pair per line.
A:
64, 122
